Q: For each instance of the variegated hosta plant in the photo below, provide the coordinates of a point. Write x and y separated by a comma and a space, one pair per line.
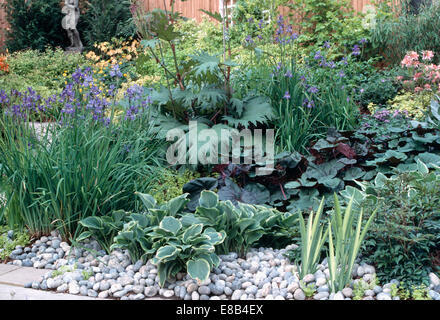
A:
184, 245
173, 242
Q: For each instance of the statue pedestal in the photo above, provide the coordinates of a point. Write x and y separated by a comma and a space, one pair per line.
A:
74, 50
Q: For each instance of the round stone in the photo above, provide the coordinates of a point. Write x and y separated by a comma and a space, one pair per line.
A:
299, 294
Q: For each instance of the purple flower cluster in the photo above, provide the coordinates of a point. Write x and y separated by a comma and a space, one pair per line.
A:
137, 102
79, 98
382, 115
356, 50
20, 105
115, 71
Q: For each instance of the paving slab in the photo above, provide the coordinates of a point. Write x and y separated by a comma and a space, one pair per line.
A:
22, 275
13, 278
8, 292
5, 268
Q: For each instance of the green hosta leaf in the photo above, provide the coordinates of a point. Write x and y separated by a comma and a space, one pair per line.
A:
148, 200
166, 253
195, 187
422, 168
198, 269
429, 159
141, 219
192, 232
146, 245
208, 199
211, 214
118, 215
189, 219
177, 204
406, 167
427, 138
380, 180
215, 260
171, 224
92, 223
84, 235
204, 248
247, 223
215, 238
254, 236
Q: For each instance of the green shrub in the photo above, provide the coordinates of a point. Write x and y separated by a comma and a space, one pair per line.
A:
379, 88
170, 183
394, 35
103, 20
406, 227
329, 20
34, 24
42, 71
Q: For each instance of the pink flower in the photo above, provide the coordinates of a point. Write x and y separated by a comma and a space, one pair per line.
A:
413, 55
427, 86
427, 55
418, 89
406, 61
399, 78
417, 76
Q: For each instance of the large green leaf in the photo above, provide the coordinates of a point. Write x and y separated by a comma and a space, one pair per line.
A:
171, 224
256, 110
177, 204
198, 269
208, 199
192, 232
166, 253
92, 223
148, 200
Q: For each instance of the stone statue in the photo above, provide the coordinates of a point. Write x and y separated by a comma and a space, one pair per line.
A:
69, 22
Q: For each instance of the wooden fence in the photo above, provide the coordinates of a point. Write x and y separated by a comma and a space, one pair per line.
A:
3, 24
190, 9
